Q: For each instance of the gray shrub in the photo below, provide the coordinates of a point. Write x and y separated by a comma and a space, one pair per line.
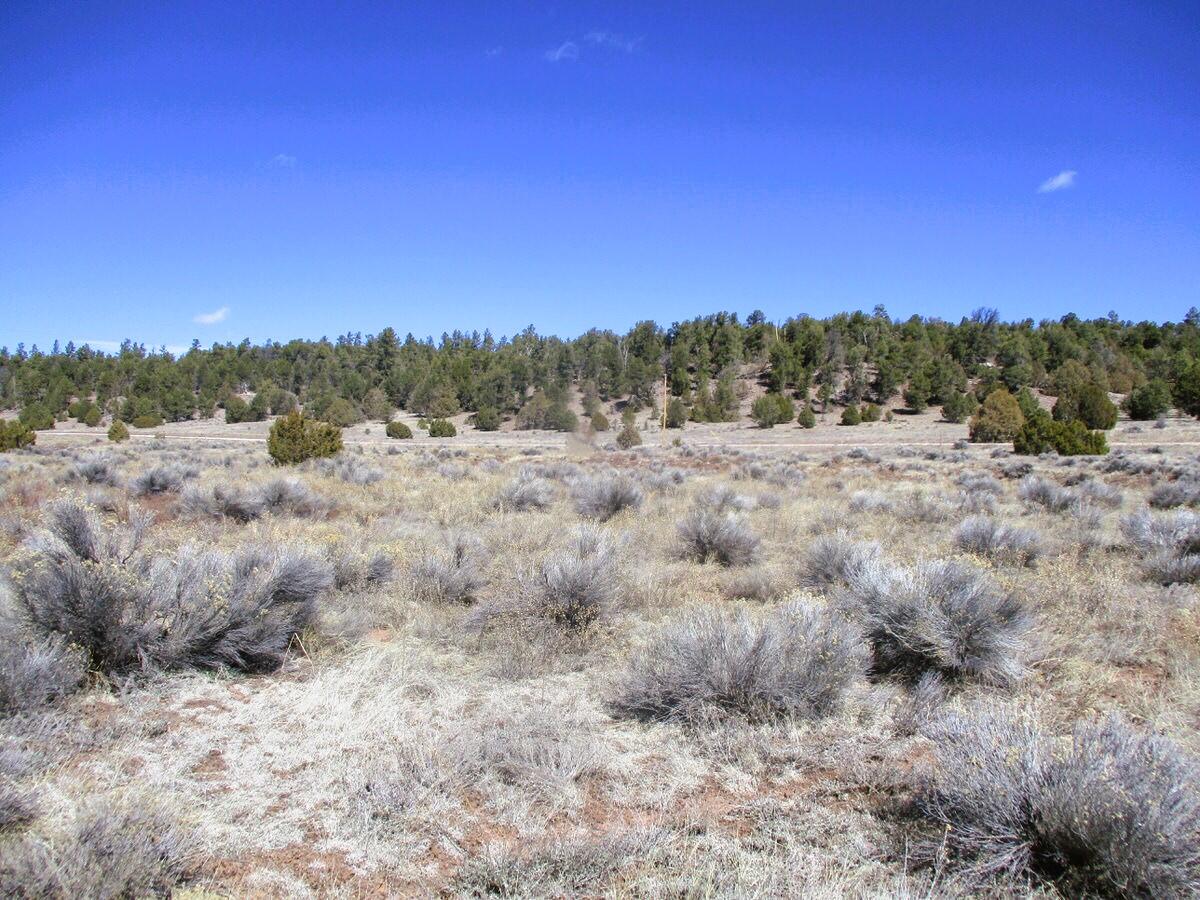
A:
525, 492
1114, 812
1042, 492
107, 851
455, 575
942, 617
167, 478
128, 611
831, 559
1169, 544
604, 496
795, 661
35, 671
985, 536
577, 586
98, 468
1175, 493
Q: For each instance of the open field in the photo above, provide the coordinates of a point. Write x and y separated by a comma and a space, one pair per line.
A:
760, 663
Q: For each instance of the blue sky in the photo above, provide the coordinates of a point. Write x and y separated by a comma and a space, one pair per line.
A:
171, 171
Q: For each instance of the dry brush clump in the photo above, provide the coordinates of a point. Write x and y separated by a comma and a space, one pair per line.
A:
106, 850
712, 533
525, 492
1169, 544
1175, 493
985, 536
454, 576
796, 661
942, 617
97, 468
129, 611
280, 496
1038, 491
831, 559
603, 496
1112, 812
35, 671
162, 479
577, 586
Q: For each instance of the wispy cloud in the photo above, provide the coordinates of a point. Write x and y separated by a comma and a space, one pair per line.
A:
212, 318
567, 51
283, 161
1059, 182
493, 52
612, 40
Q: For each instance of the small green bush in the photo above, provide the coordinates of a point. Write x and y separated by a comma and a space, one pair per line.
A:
677, 414
599, 421
37, 417
487, 419
871, 413
147, 421
92, 417
1041, 434
772, 409
293, 439
1089, 404
343, 413
1149, 401
442, 428
117, 432
851, 416
807, 418
958, 407
629, 437
398, 430
999, 419
15, 434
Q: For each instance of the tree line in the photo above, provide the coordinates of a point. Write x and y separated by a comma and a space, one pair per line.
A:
857, 360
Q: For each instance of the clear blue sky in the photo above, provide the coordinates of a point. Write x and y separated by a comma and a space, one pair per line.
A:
299, 169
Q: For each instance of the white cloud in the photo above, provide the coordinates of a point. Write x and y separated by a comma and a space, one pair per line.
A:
1059, 182
212, 318
612, 40
567, 51
283, 161
493, 52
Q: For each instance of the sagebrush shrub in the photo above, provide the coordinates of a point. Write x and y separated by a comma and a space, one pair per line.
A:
985, 536
525, 492
455, 576
603, 496
708, 535
1169, 544
831, 559
577, 586
942, 617
1042, 492
794, 661
1175, 493
106, 851
96, 469
167, 478
1113, 812
130, 612
35, 671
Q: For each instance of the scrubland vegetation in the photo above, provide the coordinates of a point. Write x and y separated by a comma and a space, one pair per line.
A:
632, 663
673, 670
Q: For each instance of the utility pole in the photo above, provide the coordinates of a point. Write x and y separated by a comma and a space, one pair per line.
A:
664, 407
